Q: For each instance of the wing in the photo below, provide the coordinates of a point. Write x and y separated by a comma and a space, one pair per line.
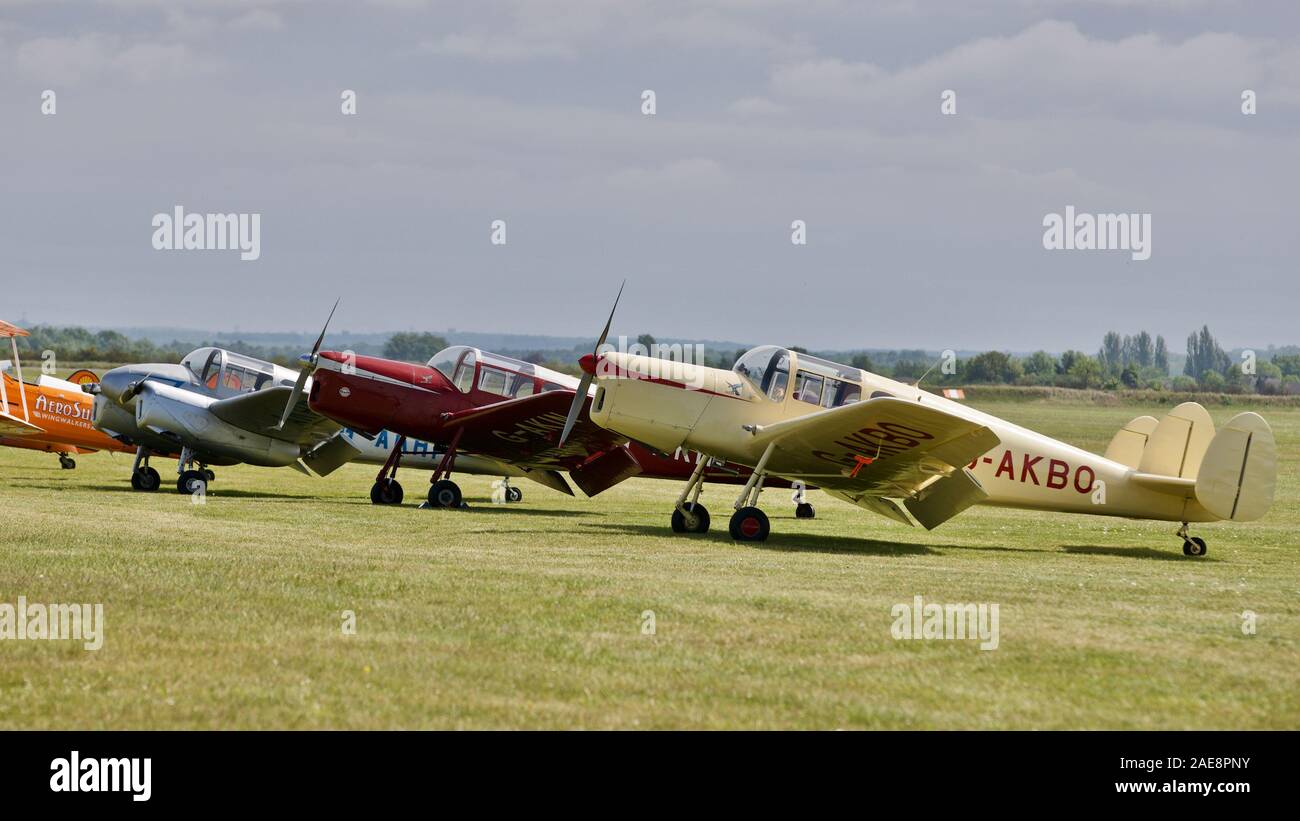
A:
883, 449
13, 426
260, 411
526, 431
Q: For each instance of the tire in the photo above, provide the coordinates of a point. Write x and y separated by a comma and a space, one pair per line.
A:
146, 480
192, 481
386, 492
749, 524
701, 519
212, 477
803, 510
514, 494
444, 493
1194, 546
67, 463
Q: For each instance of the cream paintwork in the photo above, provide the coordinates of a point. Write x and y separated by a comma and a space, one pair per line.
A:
723, 415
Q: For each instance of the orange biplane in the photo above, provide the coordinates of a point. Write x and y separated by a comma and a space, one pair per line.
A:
49, 414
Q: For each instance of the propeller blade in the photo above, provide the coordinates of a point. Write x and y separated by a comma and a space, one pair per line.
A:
303, 376
315, 349
307, 370
580, 398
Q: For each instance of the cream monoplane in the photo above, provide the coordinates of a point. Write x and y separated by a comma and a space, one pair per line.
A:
915, 457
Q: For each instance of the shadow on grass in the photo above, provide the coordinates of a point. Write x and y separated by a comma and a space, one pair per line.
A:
486, 506
794, 542
1133, 553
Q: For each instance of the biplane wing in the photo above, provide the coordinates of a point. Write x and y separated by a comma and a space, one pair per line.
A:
876, 451
11, 425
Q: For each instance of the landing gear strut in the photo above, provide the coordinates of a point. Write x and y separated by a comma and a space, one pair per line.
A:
691, 516
190, 481
1192, 545
748, 523
144, 477
67, 462
513, 494
443, 492
386, 490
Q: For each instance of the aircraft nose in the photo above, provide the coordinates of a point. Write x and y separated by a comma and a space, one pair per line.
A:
114, 382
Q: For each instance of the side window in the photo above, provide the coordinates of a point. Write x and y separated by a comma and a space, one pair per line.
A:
808, 388
777, 389
212, 370
523, 386
465, 373
234, 380
777, 378
493, 381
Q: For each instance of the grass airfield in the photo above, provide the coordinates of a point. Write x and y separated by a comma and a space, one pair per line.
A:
229, 614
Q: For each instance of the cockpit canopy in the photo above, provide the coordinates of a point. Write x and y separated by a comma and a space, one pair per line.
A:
470, 368
816, 381
227, 373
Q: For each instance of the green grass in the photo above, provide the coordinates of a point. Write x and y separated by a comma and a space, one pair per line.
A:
229, 614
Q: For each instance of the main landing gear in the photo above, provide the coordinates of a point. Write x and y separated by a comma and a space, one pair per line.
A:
1192, 545
143, 477
748, 523
189, 480
67, 462
387, 490
512, 493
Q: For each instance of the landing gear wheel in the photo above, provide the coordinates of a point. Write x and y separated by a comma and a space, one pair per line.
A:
444, 493
386, 492
146, 479
514, 494
749, 524
211, 477
192, 481
1194, 546
803, 510
701, 523
67, 463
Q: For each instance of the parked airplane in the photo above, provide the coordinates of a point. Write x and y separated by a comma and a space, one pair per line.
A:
471, 402
49, 414
915, 457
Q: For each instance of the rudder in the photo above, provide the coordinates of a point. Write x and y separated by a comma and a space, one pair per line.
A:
1239, 470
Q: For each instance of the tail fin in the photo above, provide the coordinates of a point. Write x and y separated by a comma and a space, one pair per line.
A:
1239, 469
1178, 442
1128, 444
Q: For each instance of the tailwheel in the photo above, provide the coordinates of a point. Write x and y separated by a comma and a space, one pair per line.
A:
386, 492
1195, 546
803, 510
146, 479
192, 481
696, 522
514, 494
749, 524
66, 462
444, 493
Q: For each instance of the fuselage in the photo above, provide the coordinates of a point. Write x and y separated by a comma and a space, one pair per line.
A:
62, 411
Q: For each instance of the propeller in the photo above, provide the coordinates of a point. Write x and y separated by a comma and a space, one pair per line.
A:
580, 398
307, 371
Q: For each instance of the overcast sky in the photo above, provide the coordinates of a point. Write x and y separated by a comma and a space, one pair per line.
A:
923, 230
